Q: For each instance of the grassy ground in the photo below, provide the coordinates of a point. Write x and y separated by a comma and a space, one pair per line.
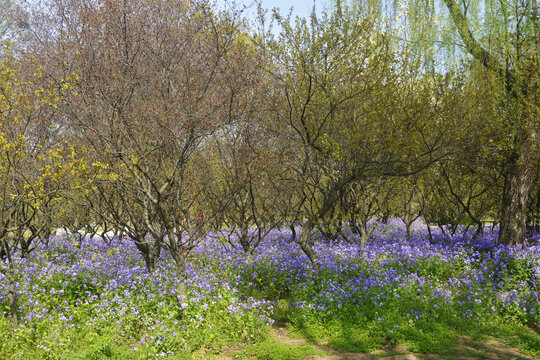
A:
450, 298
504, 344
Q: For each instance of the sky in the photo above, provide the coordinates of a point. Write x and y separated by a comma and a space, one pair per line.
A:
301, 8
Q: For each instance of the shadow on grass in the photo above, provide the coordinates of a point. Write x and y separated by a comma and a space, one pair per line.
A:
432, 339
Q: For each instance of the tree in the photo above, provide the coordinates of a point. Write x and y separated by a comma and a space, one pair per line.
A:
408, 204
244, 173
157, 79
33, 163
365, 201
351, 106
509, 48
502, 39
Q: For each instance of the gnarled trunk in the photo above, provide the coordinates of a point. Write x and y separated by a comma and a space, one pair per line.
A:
518, 181
304, 244
330, 199
149, 253
366, 231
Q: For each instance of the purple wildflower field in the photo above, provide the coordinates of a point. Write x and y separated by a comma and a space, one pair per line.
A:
94, 300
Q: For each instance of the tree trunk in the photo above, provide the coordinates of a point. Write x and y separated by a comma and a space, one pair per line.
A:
293, 232
408, 229
148, 255
181, 287
304, 244
366, 231
407, 221
430, 235
364, 235
25, 245
518, 182
120, 235
150, 264
244, 239
24, 249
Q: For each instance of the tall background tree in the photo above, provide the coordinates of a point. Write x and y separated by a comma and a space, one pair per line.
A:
497, 44
507, 47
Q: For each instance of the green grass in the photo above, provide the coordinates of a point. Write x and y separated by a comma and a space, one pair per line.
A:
406, 317
528, 342
271, 349
352, 331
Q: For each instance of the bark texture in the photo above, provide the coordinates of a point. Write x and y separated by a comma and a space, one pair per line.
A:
518, 182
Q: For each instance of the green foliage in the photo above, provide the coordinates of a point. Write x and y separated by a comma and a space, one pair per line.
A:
530, 343
264, 281
416, 316
270, 349
158, 327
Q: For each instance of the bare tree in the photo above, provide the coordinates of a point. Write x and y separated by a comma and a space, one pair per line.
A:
155, 80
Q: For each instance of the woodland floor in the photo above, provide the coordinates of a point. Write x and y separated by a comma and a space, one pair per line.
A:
466, 348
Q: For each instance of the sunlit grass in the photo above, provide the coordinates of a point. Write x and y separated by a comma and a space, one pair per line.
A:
92, 301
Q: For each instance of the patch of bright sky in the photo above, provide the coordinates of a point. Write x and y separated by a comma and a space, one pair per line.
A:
300, 8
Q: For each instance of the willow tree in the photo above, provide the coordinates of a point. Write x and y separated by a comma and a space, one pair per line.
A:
507, 46
502, 39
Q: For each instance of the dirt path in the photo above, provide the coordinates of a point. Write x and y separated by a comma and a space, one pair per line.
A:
282, 335
465, 349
